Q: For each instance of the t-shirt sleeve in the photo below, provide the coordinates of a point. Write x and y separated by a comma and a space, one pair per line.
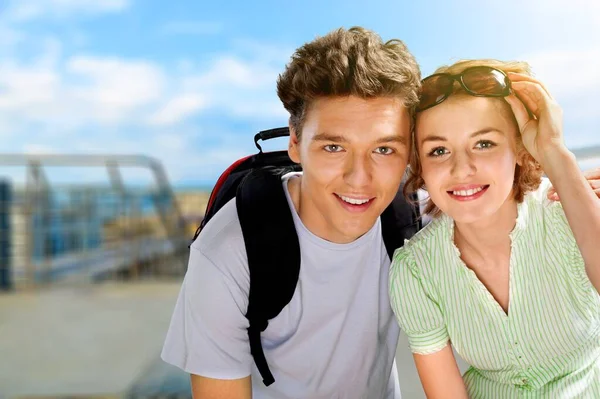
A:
418, 314
207, 335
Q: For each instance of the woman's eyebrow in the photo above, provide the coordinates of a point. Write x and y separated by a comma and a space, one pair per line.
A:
480, 132
433, 137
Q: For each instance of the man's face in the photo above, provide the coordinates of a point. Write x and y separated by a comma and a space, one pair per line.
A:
353, 153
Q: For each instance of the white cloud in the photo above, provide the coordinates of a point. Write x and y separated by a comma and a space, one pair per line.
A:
89, 90
568, 72
572, 77
584, 9
23, 87
26, 10
85, 90
244, 89
233, 72
113, 88
178, 109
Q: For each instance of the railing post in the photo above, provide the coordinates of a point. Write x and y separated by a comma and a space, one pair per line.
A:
6, 280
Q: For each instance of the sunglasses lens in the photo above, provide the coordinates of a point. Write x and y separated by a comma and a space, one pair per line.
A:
434, 90
485, 81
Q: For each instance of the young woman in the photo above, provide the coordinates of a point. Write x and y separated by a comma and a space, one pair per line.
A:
505, 275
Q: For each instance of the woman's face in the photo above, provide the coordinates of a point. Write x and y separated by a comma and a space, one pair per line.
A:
466, 148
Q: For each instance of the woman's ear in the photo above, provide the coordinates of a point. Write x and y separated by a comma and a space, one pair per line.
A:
521, 153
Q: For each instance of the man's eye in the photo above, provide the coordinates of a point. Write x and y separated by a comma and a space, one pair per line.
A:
437, 152
332, 148
384, 150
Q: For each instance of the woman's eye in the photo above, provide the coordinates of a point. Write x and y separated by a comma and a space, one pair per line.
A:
485, 144
438, 152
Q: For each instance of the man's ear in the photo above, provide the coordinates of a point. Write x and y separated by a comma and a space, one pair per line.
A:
294, 145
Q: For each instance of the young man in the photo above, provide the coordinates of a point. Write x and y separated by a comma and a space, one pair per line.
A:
349, 96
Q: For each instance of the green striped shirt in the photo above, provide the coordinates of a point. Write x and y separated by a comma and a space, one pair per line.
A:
548, 346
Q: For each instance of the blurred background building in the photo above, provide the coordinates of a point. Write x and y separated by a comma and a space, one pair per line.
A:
63, 248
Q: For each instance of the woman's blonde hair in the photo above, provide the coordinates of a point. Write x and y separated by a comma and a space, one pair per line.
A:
528, 174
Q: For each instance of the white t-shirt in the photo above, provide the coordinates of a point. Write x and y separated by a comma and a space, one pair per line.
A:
336, 338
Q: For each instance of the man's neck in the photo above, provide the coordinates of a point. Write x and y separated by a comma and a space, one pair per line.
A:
293, 185
311, 220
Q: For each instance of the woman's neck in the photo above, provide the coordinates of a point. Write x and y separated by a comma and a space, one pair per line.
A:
488, 239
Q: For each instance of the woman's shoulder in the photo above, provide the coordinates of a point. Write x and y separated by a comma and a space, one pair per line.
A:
424, 242
539, 206
539, 196
438, 229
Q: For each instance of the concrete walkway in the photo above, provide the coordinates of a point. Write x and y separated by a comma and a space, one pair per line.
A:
103, 340
81, 340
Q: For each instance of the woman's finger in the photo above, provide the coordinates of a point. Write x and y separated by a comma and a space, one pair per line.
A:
533, 96
519, 77
521, 113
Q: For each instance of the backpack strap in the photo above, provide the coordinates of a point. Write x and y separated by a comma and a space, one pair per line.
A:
273, 253
400, 220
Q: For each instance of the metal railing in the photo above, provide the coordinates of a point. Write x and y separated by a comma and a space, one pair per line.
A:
54, 232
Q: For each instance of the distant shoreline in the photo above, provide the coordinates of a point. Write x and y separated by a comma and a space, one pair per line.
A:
192, 188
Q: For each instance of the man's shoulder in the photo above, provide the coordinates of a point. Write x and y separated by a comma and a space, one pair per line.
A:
224, 228
222, 235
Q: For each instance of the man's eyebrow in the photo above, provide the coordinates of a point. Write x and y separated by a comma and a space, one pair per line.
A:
329, 137
392, 139
341, 139
480, 132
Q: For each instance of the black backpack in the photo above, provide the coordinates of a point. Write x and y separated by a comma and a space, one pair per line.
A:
270, 235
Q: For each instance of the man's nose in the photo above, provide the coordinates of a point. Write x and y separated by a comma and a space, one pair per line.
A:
359, 171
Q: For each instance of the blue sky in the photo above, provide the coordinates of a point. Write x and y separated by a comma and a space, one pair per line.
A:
190, 82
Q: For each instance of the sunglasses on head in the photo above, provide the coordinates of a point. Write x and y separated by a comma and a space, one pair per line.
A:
479, 81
